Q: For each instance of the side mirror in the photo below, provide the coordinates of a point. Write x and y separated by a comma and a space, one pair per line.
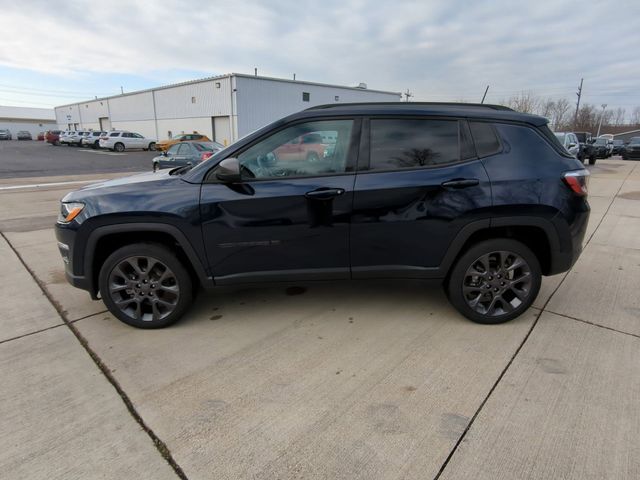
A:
164, 154
228, 171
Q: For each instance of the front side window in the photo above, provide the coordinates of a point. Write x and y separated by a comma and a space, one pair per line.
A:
413, 143
184, 149
173, 150
299, 151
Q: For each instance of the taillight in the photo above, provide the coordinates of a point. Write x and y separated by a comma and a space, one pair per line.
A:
206, 155
577, 181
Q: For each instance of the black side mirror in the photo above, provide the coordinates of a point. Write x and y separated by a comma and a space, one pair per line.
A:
228, 171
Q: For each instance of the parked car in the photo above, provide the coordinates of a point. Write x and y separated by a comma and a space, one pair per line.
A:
186, 153
184, 137
92, 139
586, 148
53, 136
24, 135
5, 134
618, 146
305, 148
67, 137
570, 142
479, 197
601, 148
631, 150
120, 140
41, 136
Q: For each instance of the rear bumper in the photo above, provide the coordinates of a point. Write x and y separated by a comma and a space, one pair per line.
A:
571, 237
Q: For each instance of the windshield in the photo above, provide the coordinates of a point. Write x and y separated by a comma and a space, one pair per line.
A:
600, 141
561, 137
634, 141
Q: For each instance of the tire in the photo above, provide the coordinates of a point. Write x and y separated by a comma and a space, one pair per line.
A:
152, 146
133, 289
95, 145
56, 143
468, 278
119, 147
155, 166
592, 160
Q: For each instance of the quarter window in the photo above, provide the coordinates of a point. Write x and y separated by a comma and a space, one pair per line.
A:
412, 143
306, 149
485, 138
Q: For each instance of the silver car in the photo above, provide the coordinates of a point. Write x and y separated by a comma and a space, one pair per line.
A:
570, 142
120, 140
91, 139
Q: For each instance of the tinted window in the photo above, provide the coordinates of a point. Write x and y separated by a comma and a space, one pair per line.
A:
277, 156
184, 149
115, 134
485, 138
399, 143
173, 149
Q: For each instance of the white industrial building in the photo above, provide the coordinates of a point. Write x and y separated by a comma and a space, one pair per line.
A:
224, 108
33, 120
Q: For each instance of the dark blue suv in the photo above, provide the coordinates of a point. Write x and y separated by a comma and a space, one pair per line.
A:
477, 197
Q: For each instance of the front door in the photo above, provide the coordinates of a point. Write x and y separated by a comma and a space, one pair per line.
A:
421, 185
289, 217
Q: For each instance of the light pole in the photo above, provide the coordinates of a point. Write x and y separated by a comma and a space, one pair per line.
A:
604, 106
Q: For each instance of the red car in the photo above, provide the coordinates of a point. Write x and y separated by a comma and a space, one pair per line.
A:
53, 137
308, 146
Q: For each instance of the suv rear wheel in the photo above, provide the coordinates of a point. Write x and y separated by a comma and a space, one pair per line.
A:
494, 281
119, 147
145, 285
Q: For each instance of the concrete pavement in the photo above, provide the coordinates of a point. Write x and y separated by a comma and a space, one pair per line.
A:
364, 380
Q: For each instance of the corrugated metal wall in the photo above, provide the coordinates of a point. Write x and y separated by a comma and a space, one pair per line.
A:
261, 101
134, 107
205, 99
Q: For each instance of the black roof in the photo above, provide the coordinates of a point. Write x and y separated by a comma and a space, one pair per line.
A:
470, 110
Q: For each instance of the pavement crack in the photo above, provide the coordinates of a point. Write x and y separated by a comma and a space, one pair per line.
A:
158, 443
31, 333
595, 324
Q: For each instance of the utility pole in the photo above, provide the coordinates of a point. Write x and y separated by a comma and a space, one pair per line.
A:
485, 94
579, 94
407, 94
121, 90
604, 106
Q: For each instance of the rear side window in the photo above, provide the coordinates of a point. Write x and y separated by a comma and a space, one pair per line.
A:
115, 134
413, 143
485, 138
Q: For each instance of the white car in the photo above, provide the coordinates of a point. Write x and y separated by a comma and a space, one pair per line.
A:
67, 136
92, 139
120, 141
569, 141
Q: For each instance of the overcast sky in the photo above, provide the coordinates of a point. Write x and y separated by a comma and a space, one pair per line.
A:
56, 53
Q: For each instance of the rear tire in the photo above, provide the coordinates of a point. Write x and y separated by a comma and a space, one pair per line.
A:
145, 285
119, 147
494, 281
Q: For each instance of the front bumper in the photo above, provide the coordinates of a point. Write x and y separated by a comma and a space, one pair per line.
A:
74, 273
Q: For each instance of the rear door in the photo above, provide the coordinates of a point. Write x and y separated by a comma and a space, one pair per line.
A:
419, 184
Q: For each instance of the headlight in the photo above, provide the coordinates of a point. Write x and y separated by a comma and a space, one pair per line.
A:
69, 211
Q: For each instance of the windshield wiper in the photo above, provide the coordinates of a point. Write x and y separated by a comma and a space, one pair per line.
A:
181, 170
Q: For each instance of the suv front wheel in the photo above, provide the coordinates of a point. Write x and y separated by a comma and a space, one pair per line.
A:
145, 285
494, 281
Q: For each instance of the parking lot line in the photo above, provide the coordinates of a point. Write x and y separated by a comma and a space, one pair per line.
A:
52, 184
101, 152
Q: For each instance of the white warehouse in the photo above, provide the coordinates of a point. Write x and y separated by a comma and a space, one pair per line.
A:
32, 120
224, 108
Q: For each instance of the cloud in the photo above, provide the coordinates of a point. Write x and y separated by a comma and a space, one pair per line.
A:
438, 50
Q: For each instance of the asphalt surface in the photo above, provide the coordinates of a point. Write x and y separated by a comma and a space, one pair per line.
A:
19, 159
362, 380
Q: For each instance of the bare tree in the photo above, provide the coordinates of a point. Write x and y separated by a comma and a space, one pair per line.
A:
635, 116
619, 115
525, 102
561, 114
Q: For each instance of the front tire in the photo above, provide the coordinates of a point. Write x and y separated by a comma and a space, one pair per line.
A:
152, 146
145, 285
494, 281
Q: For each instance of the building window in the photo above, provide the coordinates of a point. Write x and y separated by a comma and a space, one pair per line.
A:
305, 96
337, 98
217, 84
193, 99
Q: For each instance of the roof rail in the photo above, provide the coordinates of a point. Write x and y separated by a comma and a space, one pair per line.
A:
435, 104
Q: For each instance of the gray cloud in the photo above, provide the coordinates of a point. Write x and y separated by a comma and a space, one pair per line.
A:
441, 51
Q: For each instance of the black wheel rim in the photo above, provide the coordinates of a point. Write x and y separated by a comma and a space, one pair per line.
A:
497, 283
144, 289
